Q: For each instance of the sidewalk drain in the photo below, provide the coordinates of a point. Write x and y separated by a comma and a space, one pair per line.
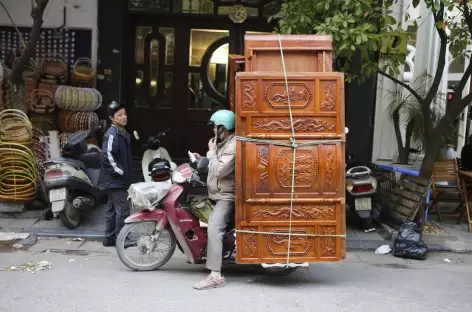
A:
392, 266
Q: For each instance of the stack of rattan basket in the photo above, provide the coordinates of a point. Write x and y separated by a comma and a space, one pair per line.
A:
18, 163
50, 73
77, 110
5, 91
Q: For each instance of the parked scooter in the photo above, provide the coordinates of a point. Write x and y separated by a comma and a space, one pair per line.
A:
72, 180
153, 150
361, 186
171, 221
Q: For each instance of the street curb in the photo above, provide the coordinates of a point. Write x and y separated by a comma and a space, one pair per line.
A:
85, 234
12, 238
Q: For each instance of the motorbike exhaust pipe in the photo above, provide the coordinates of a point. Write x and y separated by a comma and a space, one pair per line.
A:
82, 202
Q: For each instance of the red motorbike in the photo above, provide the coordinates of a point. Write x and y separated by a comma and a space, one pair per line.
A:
174, 222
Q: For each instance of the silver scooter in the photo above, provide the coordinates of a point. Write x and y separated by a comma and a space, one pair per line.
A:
72, 180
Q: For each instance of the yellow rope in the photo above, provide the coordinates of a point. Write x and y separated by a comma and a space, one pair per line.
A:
294, 146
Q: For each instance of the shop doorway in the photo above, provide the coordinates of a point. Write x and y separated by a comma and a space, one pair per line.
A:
178, 76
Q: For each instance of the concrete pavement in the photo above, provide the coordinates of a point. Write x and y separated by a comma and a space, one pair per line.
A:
84, 276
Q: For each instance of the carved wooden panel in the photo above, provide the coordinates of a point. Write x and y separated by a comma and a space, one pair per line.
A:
269, 213
269, 168
247, 243
302, 53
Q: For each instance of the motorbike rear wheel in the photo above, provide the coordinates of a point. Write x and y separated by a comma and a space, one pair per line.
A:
70, 216
122, 243
278, 271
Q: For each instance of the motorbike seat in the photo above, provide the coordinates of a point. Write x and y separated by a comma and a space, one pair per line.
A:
73, 162
90, 159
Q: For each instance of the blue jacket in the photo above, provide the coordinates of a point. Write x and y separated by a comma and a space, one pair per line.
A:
115, 172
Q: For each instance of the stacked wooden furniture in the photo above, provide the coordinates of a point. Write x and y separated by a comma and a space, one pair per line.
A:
264, 167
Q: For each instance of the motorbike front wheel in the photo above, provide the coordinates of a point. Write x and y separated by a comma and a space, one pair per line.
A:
146, 244
70, 216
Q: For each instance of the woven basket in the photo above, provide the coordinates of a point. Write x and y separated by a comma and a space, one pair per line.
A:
83, 69
77, 121
54, 66
78, 99
42, 102
15, 127
18, 172
43, 122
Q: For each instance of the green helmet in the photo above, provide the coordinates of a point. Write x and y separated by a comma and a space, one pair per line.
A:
224, 118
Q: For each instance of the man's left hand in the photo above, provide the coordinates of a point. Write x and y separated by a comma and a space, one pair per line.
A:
212, 145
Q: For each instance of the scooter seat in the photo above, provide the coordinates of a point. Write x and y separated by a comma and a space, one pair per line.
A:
90, 159
62, 160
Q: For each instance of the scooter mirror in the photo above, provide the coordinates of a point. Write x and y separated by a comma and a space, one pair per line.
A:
136, 135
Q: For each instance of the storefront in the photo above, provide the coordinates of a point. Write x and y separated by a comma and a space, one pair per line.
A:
175, 64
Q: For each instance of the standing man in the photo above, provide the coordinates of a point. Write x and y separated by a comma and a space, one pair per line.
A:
115, 173
221, 189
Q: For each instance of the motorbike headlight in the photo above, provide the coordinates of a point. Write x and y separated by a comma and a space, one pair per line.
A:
373, 182
349, 185
177, 177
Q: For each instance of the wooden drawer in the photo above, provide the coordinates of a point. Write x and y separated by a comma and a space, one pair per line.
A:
273, 248
316, 100
302, 53
266, 170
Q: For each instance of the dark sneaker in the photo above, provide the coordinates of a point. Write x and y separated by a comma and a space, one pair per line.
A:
107, 242
129, 244
210, 282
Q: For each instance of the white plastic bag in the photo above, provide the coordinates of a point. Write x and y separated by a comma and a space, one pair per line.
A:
145, 195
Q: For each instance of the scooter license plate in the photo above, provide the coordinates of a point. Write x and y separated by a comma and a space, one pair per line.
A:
57, 194
363, 204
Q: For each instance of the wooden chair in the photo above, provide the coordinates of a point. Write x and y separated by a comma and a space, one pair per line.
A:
406, 201
466, 186
446, 187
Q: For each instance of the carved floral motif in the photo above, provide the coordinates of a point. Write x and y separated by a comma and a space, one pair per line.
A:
329, 169
277, 96
328, 243
328, 102
263, 162
308, 124
249, 240
249, 94
297, 212
299, 245
294, 96
306, 168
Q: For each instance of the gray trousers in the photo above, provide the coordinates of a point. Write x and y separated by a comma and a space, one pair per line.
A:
217, 224
116, 213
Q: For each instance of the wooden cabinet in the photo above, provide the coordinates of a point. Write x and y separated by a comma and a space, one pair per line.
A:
302, 53
264, 167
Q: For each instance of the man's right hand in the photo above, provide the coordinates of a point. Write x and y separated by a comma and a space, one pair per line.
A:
197, 156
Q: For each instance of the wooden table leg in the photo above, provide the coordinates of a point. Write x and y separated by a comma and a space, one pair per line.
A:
466, 203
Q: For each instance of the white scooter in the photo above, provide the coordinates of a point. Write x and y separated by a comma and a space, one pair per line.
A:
154, 150
72, 180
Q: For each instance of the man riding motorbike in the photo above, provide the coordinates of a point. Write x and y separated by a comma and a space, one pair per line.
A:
221, 189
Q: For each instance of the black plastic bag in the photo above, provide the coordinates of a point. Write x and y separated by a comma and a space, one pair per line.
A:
409, 244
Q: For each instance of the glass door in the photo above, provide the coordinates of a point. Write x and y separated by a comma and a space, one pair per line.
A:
151, 86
